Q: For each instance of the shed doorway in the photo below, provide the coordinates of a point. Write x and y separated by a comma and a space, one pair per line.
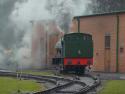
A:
107, 56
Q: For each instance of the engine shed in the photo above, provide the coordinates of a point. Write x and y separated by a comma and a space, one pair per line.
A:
108, 31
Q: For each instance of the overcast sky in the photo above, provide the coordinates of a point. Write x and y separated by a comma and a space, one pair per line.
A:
7, 36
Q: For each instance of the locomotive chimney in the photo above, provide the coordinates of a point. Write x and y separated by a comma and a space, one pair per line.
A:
78, 24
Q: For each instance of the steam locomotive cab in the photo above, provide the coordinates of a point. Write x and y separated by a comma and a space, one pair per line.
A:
76, 52
58, 59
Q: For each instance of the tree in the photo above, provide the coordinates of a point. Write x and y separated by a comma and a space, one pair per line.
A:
102, 6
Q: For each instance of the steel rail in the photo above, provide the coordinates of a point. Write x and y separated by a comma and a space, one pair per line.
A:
58, 89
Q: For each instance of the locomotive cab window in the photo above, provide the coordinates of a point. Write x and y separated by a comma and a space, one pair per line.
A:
88, 38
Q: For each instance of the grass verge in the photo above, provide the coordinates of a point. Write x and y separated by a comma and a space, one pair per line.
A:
12, 85
113, 87
44, 73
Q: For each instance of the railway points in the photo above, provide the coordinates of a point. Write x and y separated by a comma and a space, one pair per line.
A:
60, 85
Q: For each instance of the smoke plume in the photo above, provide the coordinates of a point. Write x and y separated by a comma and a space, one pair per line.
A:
64, 10
20, 17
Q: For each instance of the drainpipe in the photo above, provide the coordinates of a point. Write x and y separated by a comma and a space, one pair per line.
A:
46, 43
117, 43
78, 24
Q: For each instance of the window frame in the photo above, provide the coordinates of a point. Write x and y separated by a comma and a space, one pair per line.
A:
107, 41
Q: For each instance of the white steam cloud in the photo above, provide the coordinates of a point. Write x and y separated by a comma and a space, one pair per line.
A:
27, 11
62, 11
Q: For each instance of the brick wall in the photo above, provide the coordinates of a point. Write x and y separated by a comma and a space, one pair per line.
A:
98, 26
43, 44
122, 43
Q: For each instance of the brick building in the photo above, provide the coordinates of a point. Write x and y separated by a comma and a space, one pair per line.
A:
108, 31
44, 38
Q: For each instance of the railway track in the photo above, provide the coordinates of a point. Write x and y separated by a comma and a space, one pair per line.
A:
61, 85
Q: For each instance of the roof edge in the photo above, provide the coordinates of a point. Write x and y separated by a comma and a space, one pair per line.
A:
101, 14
